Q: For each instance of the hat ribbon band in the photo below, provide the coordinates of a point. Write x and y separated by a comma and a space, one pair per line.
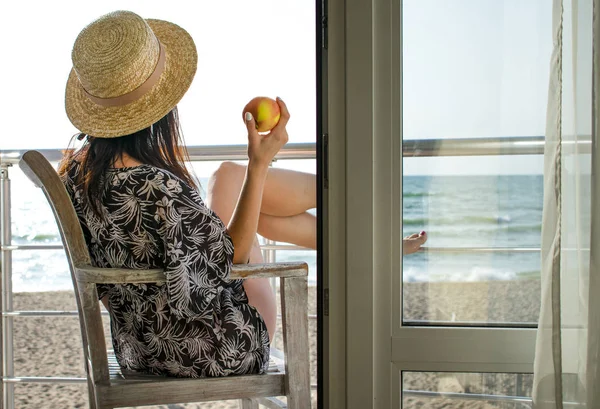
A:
136, 93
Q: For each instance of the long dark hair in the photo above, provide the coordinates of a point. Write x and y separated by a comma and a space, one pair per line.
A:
160, 145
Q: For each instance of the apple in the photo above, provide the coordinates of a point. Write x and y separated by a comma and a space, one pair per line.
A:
265, 111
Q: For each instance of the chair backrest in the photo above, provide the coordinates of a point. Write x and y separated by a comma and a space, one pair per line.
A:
42, 174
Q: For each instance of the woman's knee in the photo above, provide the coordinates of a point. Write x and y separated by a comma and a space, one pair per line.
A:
224, 187
227, 173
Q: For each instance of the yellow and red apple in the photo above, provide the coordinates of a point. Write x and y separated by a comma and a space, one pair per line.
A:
265, 111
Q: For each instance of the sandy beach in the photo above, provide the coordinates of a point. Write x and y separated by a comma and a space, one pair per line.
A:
51, 346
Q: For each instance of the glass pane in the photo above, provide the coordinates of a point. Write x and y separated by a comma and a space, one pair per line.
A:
466, 390
475, 68
474, 109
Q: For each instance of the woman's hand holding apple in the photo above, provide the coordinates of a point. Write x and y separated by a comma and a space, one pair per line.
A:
263, 148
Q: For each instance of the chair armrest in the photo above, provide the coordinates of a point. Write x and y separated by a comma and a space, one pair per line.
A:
269, 270
98, 275
89, 274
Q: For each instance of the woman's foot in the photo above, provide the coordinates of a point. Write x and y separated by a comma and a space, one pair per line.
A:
412, 244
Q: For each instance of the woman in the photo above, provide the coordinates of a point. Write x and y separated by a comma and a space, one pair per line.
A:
139, 207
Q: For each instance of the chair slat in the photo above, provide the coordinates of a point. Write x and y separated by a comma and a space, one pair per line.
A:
165, 390
272, 403
90, 274
276, 366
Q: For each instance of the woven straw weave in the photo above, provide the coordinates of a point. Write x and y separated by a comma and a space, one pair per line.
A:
116, 54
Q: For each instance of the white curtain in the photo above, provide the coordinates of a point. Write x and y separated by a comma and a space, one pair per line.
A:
567, 372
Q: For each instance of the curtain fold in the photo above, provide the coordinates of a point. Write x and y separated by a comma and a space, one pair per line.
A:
566, 361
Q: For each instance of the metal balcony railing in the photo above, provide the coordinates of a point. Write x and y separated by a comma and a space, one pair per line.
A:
411, 148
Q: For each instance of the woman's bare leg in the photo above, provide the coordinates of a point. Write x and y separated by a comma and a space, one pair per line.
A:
286, 192
286, 197
300, 229
260, 294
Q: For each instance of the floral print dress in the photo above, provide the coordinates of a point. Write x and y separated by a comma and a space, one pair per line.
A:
198, 323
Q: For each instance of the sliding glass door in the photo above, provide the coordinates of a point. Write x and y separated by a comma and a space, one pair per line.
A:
474, 78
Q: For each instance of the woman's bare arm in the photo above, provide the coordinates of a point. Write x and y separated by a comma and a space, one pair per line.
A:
261, 151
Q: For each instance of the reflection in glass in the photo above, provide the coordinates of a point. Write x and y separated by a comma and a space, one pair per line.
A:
466, 390
478, 71
483, 264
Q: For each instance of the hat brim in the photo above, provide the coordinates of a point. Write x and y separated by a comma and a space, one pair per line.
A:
181, 60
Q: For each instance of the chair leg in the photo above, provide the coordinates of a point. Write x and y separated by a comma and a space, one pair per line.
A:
294, 295
91, 394
248, 404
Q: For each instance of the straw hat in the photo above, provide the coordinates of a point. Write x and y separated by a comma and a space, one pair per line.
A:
127, 73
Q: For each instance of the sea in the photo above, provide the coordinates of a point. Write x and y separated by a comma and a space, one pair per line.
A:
457, 212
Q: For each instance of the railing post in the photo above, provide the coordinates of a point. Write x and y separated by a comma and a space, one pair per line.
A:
270, 256
6, 288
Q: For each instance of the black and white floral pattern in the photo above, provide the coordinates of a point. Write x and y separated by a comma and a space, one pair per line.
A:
199, 322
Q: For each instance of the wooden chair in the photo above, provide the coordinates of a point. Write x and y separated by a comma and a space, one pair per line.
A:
108, 388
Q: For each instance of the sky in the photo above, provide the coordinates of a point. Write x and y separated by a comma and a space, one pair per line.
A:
472, 68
